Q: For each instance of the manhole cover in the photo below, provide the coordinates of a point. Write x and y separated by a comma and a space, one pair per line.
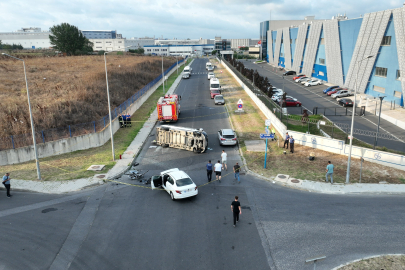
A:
101, 176
281, 176
95, 167
295, 181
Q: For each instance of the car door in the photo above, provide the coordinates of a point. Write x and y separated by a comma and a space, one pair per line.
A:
156, 181
219, 135
289, 102
170, 186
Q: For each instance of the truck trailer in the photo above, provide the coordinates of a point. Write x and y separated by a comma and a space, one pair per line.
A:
168, 108
190, 139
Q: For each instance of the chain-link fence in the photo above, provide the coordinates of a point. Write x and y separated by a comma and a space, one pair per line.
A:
22, 140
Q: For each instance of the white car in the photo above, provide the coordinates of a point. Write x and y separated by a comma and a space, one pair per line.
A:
211, 75
304, 81
341, 93
177, 183
301, 79
227, 137
313, 82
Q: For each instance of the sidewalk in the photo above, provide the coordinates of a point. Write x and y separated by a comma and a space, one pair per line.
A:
122, 165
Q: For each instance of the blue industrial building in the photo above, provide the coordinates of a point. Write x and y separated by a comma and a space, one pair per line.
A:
336, 51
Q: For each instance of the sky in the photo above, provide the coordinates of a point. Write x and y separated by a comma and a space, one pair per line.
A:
176, 18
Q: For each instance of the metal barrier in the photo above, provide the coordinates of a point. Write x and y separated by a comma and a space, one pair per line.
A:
22, 140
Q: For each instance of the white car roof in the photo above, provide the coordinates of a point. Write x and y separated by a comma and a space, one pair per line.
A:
219, 96
176, 174
214, 80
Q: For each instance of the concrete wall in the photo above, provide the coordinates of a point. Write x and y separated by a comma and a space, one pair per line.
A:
323, 143
24, 154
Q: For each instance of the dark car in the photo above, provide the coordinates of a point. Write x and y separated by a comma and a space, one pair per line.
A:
291, 72
330, 89
346, 102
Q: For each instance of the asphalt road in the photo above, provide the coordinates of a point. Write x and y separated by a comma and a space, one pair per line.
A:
117, 226
313, 96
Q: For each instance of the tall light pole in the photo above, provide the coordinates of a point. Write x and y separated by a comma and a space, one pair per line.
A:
31, 119
109, 104
351, 129
379, 118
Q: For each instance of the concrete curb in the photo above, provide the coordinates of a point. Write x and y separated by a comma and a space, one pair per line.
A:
366, 258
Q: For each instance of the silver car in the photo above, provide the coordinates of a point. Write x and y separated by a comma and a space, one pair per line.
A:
211, 75
219, 99
227, 137
186, 75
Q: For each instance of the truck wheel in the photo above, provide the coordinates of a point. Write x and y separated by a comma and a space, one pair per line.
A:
172, 196
165, 145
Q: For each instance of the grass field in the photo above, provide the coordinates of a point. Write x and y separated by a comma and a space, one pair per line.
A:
74, 165
69, 90
250, 124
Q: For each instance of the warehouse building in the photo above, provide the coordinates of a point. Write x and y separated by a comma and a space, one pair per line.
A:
366, 53
179, 50
29, 38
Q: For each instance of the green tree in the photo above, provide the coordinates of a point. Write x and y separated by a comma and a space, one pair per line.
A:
68, 39
244, 48
214, 52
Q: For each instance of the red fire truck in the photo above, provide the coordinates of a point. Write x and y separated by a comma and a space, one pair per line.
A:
168, 108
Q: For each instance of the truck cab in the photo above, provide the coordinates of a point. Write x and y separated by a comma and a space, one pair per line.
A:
187, 70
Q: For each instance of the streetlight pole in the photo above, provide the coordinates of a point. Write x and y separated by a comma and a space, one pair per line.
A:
109, 104
379, 118
31, 118
351, 128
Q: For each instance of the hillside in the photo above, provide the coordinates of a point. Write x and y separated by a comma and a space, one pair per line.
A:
69, 90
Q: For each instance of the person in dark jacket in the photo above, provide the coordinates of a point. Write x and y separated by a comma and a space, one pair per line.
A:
209, 170
292, 144
121, 120
129, 124
287, 138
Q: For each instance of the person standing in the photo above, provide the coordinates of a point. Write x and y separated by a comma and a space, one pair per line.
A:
224, 157
209, 170
236, 210
329, 172
287, 138
218, 169
236, 170
292, 144
7, 184
121, 120
129, 123
124, 120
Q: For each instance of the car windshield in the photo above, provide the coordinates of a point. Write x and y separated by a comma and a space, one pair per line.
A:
214, 85
210, 73
215, 91
184, 182
219, 97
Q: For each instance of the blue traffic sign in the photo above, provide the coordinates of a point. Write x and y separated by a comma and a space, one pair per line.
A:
266, 136
240, 106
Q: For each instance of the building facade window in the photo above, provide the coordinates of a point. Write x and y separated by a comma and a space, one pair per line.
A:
397, 94
148, 50
282, 54
386, 41
322, 41
379, 89
381, 72
321, 61
398, 75
320, 73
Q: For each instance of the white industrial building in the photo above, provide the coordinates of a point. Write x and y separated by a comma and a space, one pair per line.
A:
182, 50
29, 38
236, 43
200, 41
120, 44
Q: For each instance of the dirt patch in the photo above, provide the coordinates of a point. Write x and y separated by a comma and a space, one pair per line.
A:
389, 262
69, 90
250, 124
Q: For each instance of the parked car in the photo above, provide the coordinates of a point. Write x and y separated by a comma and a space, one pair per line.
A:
305, 80
334, 91
341, 93
330, 89
211, 75
219, 99
186, 75
345, 102
290, 72
291, 102
301, 79
210, 68
279, 97
313, 82
214, 93
177, 183
298, 76
227, 137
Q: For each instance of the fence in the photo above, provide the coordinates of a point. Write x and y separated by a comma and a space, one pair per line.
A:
44, 136
272, 112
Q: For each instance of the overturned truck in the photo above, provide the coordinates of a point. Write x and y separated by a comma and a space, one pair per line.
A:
190, 139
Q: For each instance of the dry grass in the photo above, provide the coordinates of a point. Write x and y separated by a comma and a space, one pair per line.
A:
389, 262
250, 124
69, 90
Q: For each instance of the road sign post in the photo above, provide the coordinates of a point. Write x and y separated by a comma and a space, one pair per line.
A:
265, 156
240, 106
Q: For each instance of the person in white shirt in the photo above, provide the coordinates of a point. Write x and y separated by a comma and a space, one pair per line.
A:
224, 156
218, 169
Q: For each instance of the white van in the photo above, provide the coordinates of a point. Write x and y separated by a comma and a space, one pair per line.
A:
187, 70
208, 65
215, 88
